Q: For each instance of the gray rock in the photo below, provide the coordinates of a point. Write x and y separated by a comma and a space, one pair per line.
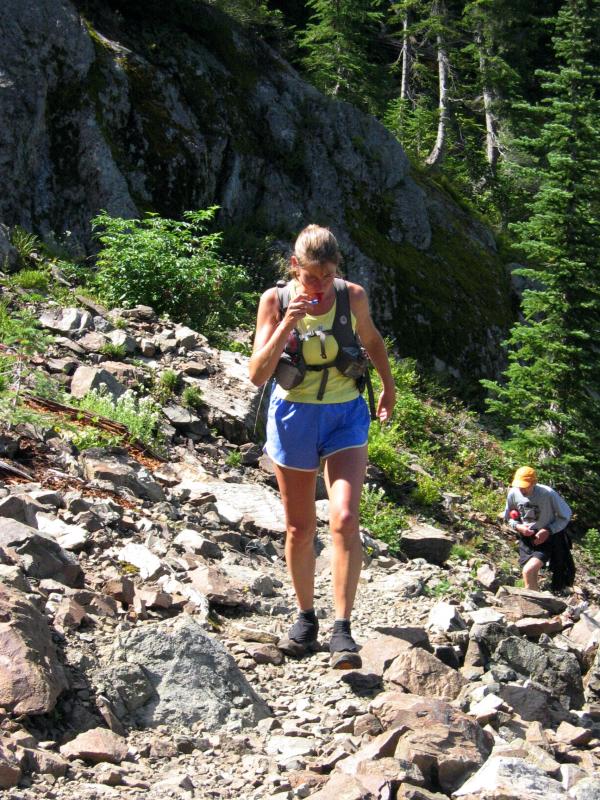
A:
149, 564
192, 676
115, 469
425, 541
22, 508
586, 789
40, 555
66, 320
8, 254
503, 778
122, 339
70, 537
555, 669
533, 703
87, 378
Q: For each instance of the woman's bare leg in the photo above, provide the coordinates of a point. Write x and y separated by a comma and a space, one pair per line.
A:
344, 476
297, 489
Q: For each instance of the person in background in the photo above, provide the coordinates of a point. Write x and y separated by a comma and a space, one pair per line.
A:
323, 418
539, 515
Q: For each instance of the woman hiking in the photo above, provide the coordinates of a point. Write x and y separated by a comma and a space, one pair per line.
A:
320, 416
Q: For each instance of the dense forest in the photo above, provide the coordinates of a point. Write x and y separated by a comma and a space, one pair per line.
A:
500, 101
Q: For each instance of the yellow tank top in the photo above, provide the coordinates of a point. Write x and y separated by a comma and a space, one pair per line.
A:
339, 389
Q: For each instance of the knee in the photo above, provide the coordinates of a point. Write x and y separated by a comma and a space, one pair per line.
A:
344, 522
531, 568
300, 535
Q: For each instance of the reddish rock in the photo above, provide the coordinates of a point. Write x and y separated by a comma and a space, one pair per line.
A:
10, 772
572, 734
420, 672
532, 626
378, 653
69, 614
444, 743
343, 787
122, 589
31, 677
96, 745
154, 598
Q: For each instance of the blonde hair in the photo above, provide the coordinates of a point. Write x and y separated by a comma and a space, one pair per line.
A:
317, 245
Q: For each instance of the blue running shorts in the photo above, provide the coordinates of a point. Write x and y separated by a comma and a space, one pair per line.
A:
299, 435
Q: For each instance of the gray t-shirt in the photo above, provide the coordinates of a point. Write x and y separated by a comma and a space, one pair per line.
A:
544, 508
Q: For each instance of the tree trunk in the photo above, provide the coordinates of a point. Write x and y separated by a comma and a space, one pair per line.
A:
405, 60
436, 156
492, 150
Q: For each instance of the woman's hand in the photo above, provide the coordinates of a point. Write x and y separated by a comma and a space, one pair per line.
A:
298, 308
385, 405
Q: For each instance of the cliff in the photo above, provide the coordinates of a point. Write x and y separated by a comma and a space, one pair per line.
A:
164, 108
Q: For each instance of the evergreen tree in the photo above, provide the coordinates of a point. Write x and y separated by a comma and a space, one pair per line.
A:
550, 400
338, 40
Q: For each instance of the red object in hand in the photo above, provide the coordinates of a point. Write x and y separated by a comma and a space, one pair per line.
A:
318, 296
514, 514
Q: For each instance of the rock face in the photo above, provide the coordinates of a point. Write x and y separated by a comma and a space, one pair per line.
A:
182, 676
226, 125
30, 676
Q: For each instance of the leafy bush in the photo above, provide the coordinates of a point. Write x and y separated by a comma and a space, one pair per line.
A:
20, 338
31, 279
141, 417
591, 544
26, 244
174, 267
116, 351
383, 519
234, 459
191, 397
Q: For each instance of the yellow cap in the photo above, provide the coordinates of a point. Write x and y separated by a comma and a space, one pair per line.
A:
524, 477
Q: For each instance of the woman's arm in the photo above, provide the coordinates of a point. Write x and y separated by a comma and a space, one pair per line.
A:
272, 333
375, 347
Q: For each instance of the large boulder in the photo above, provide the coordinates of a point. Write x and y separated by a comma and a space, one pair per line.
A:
183, 676
444, 743
420, 672
555, 669
31, 677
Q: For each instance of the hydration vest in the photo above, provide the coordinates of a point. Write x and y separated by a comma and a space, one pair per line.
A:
351, 359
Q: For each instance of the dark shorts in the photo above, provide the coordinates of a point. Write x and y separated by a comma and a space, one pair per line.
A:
529, 550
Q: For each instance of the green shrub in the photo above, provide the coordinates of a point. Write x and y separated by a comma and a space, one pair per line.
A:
383, 519
26, 244
191, 398
427, 491
591, 544
116, 351
31, 279
234, 459
461, 552
169, 380
86, 438
174, 267
141, 417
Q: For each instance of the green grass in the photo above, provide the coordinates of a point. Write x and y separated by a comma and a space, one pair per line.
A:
234, 459
116, 351
191, 398
383, 519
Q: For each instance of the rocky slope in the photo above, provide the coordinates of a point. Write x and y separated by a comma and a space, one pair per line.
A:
132, 107
142, 599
